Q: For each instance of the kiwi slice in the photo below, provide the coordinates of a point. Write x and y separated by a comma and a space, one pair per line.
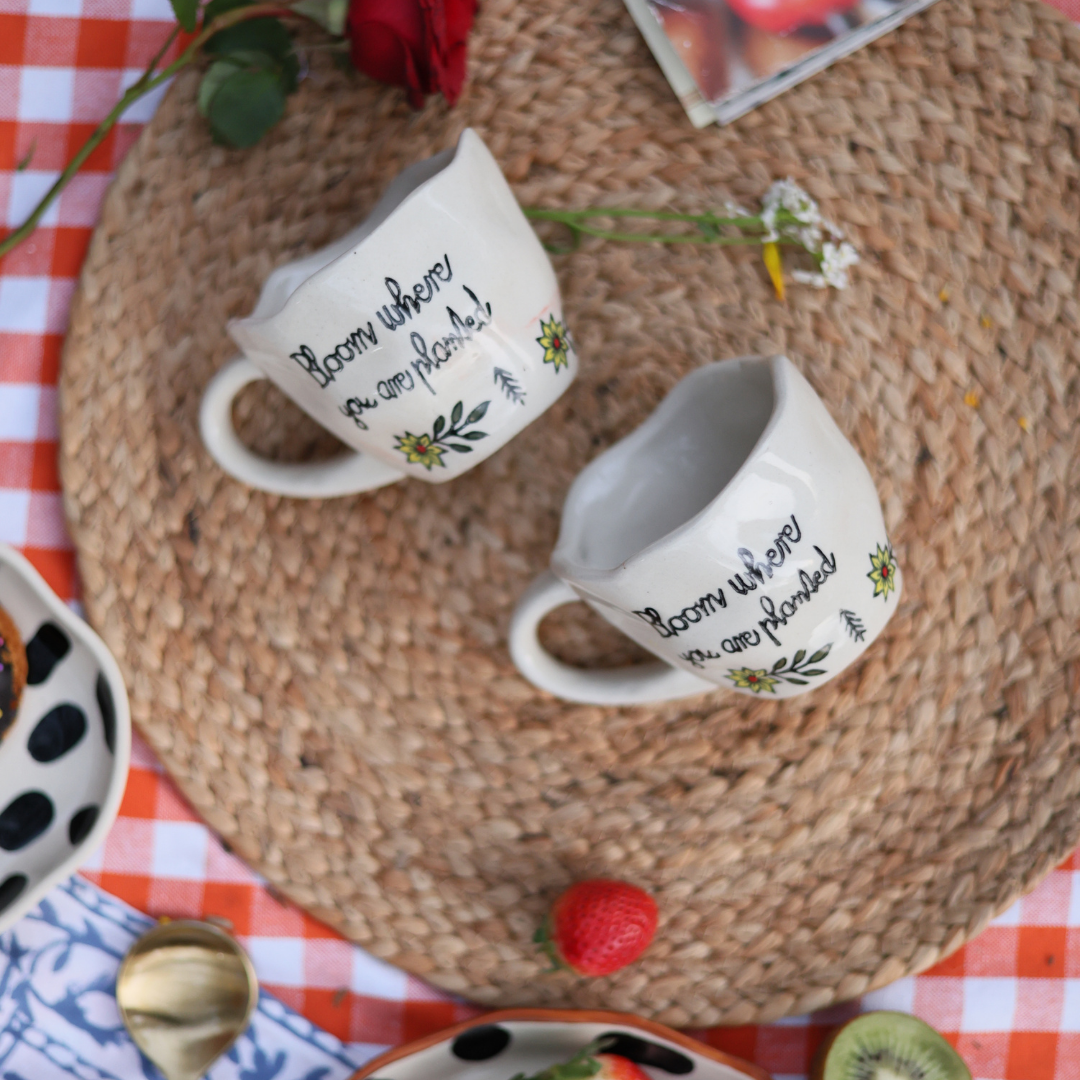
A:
888, 1046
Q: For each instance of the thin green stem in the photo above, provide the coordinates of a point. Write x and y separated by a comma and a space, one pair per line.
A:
160, 54
663, 238
669, 238
576, 222
132, 94
573, 217
146, 83
569, 217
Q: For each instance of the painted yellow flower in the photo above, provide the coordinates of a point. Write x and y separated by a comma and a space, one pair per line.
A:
748, 679
420, 450
555, 341
883, 574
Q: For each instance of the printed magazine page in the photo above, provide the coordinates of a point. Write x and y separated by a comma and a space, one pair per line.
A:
724, 57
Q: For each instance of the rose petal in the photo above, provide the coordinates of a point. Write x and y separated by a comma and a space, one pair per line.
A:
417, 44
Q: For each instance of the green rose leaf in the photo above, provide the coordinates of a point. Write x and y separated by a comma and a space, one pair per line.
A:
260, 35
437, 427
460, 448
244, 59
799, 682
245, 107
472, 436
820, 655
800, 656
286, 71
329, 14
187, 13
455, 416
215, 75
779, 664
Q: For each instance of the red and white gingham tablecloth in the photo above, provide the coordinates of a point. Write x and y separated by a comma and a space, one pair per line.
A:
1010, 1000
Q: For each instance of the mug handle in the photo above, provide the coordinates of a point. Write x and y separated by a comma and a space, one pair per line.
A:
635, 685
346, 474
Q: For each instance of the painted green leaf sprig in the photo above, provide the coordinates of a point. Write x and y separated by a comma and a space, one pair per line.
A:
427, 450
798, 666
798, 672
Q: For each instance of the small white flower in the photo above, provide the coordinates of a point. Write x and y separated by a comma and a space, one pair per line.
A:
768, 219
808, 277
787, 195
835, 260
805, 226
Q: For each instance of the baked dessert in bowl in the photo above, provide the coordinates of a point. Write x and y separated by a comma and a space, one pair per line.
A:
66, 738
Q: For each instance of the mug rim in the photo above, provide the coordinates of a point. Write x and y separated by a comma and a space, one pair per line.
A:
780, 368
452, 154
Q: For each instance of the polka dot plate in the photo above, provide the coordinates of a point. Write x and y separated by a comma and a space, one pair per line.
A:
522, 1042
64, 760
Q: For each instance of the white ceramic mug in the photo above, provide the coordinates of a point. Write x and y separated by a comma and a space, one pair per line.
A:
425, 339
736, 534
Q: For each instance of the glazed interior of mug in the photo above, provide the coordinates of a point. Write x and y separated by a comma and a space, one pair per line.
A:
670, 468
285, 280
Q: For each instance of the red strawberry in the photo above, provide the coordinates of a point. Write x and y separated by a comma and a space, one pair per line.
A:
613, 1067
599, 926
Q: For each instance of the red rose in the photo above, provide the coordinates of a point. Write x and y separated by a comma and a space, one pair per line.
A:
417, 44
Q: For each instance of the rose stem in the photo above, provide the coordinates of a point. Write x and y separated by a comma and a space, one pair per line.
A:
147, 81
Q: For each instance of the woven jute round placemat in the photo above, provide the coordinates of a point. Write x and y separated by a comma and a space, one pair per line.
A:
329, 681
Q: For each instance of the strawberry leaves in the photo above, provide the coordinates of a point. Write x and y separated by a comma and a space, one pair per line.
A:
580, 1067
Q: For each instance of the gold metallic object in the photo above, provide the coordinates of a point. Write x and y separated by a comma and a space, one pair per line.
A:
186, 990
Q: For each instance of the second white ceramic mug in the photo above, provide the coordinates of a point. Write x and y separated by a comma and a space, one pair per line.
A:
425, 339
736, 534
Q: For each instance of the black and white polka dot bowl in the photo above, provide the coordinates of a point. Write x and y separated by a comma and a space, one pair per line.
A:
64, 760
522, 1042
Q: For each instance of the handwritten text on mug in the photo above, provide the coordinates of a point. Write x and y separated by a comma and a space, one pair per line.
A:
756, 572
775, 617
429, 357
405, 304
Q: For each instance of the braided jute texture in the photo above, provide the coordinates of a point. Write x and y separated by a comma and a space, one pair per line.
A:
329, 681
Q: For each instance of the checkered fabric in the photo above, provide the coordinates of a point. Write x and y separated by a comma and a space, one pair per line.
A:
1010, 1000
162, 860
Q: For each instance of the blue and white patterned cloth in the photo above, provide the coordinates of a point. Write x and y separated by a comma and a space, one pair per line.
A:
58, 1013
